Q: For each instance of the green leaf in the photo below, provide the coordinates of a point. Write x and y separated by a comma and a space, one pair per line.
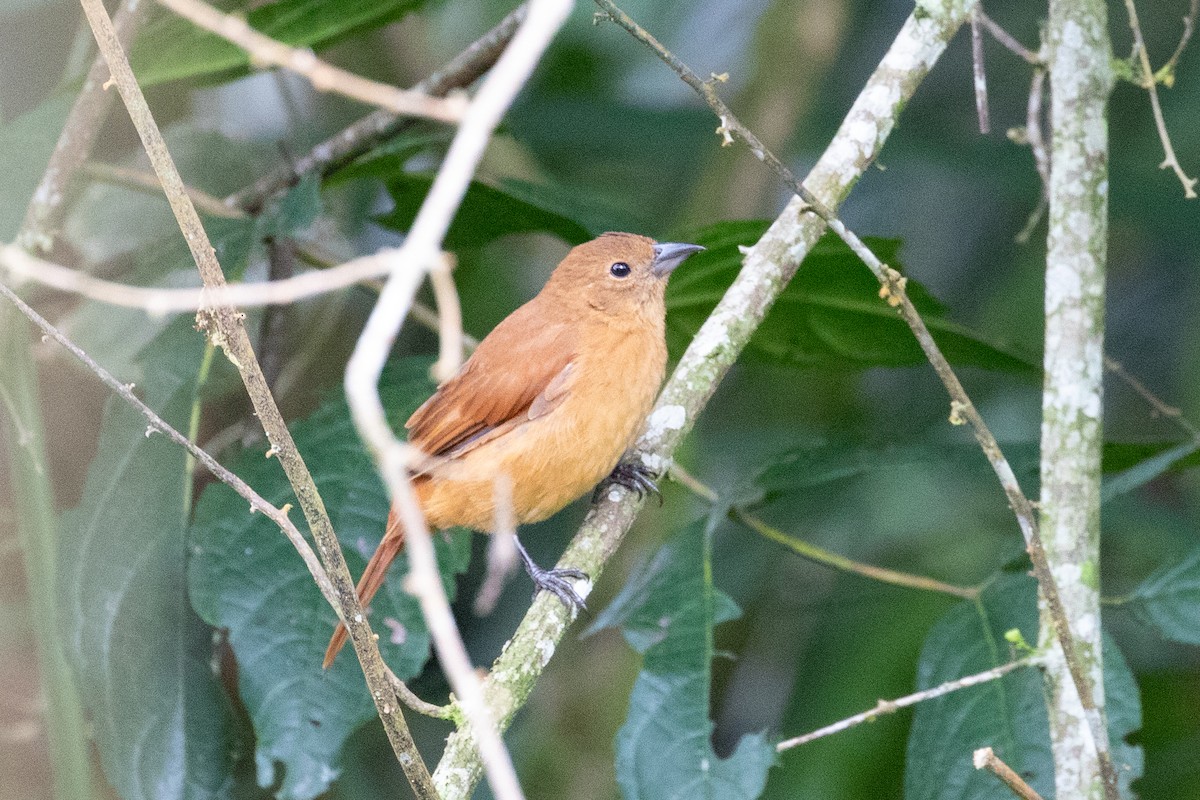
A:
162, 722
171, 48
491, 211
830, 313
667, 612
114, 335
1169, 599
1132, 466
824, 463
247, 578
25, 147
1008, 714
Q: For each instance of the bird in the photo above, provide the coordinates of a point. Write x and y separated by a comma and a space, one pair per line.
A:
549, 401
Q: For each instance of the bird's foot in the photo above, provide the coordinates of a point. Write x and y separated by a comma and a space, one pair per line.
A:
635, 477
556, 581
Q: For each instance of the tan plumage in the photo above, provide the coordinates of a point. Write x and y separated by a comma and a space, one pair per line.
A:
552, 397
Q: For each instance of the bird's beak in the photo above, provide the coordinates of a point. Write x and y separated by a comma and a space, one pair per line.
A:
669, 255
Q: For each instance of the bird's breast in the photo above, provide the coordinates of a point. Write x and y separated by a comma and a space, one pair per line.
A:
553, 459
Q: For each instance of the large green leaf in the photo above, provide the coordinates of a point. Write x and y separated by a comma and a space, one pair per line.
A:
1008, 714
25, 147
171, 47
491, 211
247, 578
830, 313
161, 720
667, 612
1170, 599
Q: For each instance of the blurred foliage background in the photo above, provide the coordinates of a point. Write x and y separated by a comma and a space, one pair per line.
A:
606, 131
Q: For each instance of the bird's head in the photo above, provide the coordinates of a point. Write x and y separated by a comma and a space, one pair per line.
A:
619, 273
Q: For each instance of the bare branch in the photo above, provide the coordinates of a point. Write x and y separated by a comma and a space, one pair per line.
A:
450, 332
820, 555
892, 706
1167, 72
1150, 84
48, 205
324, 77
981, 95
1005, 38
461, 71
986, 758
148, 182
226, 328
1072, 420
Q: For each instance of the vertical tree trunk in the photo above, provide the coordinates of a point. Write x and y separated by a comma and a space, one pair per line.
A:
1080, 81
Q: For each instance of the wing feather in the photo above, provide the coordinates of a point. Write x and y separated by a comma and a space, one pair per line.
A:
507, 376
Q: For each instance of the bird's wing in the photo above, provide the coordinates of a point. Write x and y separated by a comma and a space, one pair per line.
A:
519, 372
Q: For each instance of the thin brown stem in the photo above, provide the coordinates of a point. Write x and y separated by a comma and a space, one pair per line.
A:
1172, 413
892, 706
1167, 72
461, 71
225, 327
979, 73
1008, 40
324, 77
986, 758
48, 206
819, 555
148, 182
1150, 84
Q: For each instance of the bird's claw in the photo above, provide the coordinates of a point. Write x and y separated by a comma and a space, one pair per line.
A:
634, 477
557, 582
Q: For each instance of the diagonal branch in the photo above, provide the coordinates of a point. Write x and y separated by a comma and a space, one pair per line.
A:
962, 410
767, 267
461, 71
892, 706
226, 328
49, 203
324, 77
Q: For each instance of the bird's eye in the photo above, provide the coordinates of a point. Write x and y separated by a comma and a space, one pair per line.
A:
619, 269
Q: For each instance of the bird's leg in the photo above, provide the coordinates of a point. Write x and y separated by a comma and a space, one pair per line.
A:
555, 581
635, 477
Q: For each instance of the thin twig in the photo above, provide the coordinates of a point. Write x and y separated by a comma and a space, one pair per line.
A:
986, 758
820, 555
1150, 84
1008, 40
767, 266
158, 424
148, 182
324, 77
962, 409
980, 75
449, 314
461, 71
410, 699
892, 706
411, 262
226, 328
1170, 412
158, 302
1167, 72
1036, 140
49, 202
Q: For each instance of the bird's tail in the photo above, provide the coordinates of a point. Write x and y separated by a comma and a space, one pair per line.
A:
372, 578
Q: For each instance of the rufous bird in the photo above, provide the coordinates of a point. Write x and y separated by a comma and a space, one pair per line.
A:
550, 399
